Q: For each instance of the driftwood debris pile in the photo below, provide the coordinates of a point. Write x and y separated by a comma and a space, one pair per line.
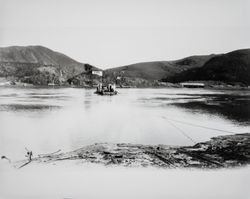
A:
222, 151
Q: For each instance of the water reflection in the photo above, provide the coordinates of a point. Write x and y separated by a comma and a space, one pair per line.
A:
232, 107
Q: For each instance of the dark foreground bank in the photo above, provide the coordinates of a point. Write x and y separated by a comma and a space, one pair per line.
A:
219, 152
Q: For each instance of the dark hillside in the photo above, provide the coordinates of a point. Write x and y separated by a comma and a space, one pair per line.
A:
231, 67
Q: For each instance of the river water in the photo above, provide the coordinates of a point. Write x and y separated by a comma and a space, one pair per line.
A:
47, 119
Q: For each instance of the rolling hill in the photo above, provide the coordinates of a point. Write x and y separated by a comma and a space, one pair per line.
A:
38, 65
231, 67
158, 69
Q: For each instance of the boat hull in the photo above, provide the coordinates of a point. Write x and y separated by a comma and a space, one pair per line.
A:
106, 93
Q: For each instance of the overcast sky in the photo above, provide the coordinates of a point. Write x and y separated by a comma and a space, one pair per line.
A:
110, 33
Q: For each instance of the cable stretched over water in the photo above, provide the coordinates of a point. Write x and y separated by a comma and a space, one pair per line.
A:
182, 132
200, 126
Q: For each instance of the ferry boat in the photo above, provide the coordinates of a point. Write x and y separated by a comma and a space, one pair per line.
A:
106, 90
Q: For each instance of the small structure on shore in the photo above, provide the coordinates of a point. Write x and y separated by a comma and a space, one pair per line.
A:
192, 85
106, 90
97, 72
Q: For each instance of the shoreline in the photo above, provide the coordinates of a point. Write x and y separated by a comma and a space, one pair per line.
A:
226, 151
214, 85
157, 87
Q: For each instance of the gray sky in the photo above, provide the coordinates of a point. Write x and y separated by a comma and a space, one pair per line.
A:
110, 33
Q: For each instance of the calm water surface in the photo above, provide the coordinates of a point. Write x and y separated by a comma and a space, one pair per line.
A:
46, 120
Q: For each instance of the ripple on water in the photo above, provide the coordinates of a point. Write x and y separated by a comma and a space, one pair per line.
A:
26, 107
